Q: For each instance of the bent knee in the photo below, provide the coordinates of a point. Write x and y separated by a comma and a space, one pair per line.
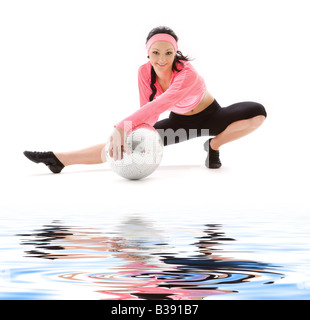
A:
260, 110
257, 121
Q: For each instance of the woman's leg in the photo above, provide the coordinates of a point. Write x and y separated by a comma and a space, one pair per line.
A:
171, 132
237, 130
229, 124
56, 161
91, 155
235, 121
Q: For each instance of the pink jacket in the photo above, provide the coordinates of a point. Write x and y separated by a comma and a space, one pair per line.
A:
185, 91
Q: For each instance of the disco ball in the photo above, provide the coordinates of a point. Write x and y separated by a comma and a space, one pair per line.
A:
146, 152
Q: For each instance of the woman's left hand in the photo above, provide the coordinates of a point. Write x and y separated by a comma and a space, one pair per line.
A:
118, 144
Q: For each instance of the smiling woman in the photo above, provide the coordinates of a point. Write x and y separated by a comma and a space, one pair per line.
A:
162, 58
168, 81
170, 55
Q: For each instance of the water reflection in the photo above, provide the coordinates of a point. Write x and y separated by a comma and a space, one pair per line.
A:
139, 261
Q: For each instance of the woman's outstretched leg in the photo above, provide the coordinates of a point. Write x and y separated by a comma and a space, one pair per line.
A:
91, 155
56, 161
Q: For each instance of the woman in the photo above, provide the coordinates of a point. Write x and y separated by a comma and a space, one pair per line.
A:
169, 82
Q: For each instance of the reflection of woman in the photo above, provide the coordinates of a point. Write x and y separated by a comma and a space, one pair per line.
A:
141, 264
169, 82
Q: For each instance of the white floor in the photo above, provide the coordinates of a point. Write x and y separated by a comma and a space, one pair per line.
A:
254, 174
60, 86
260, 196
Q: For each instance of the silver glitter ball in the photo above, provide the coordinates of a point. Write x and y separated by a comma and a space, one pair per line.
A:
146, 152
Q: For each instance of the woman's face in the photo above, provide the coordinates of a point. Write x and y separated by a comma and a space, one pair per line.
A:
162, 56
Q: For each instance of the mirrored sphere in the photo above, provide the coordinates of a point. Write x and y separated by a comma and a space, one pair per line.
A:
146, 152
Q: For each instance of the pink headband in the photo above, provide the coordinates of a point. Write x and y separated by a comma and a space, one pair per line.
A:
161, 37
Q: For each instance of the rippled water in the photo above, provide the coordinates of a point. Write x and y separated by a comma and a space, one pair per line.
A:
155, 256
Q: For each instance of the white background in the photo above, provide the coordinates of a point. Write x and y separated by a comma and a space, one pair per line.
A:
68, 73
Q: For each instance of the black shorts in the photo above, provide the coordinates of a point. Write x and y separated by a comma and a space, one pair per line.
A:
209, 122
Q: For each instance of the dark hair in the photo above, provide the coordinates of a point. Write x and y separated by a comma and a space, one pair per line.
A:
178, 58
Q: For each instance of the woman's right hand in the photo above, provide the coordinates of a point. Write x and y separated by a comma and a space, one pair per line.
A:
118, 144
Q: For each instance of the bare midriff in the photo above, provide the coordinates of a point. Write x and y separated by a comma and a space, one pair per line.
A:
203, 104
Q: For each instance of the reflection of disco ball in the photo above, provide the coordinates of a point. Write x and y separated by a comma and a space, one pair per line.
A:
146, 152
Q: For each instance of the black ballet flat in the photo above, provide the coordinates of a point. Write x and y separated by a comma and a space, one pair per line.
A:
48, 158
213, 159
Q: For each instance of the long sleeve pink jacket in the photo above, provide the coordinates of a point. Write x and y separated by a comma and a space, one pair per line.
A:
185, 91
